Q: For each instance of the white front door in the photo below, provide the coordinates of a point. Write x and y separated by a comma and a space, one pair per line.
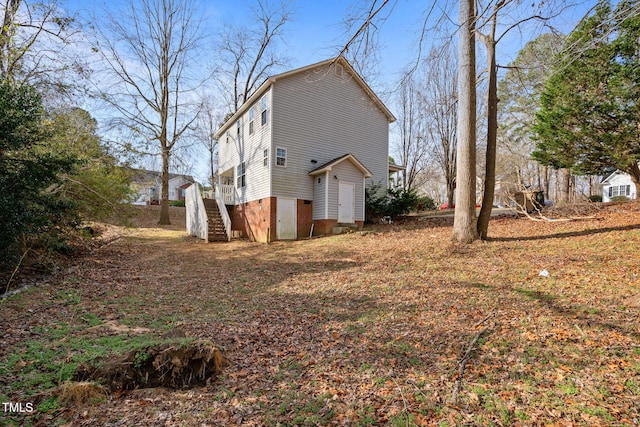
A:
286, 219
346, 202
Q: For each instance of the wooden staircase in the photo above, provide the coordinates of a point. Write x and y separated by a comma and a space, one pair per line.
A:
216, 232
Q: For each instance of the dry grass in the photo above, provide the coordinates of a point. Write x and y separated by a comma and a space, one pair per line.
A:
370, 329
80, 394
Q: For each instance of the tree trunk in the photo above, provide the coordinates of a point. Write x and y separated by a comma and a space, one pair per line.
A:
565, 188
450, 169
7, 32
164, 201
464, 222
211, 163
546, 180
634, 172
492, 132
451, 189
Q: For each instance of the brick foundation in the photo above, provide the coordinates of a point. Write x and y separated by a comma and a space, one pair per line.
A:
304, 218
324, 227
256, 219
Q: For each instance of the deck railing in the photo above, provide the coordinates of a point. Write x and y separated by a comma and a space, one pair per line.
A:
227, 193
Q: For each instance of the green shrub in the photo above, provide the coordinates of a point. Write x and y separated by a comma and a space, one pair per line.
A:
394, 203
595, 198
619, 199
426, 203
30, 174
179, 203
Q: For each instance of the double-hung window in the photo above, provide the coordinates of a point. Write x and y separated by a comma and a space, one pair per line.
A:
619, 190
265, 157
281, 156
241, 176
251, 114
263, 109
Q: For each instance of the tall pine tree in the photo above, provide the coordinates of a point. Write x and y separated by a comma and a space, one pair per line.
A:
589, 119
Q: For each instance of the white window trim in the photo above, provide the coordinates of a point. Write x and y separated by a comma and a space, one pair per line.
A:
239, 176
251, 120
264, 108
285, 157
620, 190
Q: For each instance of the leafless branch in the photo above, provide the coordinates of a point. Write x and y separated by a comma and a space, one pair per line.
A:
465, 358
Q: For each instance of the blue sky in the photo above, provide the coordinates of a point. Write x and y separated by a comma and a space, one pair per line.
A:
316, 28
316, 31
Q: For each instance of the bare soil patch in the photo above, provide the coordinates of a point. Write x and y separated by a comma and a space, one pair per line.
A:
359, 329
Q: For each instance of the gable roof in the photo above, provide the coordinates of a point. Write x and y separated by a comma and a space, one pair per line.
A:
330, 164
609, 177
270, 81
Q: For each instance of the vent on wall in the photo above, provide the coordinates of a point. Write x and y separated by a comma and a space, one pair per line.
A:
339, 70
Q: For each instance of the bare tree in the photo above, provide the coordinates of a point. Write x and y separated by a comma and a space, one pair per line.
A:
148, 51
464, 221
440, 106
519, 93
250, 54
205, 128
33, 38
490, 40
363, 49
412, 147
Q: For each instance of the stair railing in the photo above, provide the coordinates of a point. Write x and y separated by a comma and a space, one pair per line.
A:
226, 219
196, 220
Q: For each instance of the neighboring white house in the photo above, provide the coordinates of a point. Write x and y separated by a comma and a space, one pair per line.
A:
148, 186
618, 184
296, 157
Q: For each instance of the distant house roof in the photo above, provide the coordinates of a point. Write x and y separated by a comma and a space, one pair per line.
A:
143, 175
271, 80
611, 175
330, 164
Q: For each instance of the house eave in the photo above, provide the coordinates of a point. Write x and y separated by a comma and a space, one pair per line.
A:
396, 168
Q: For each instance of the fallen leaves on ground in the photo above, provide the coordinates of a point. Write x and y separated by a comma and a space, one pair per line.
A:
368, 328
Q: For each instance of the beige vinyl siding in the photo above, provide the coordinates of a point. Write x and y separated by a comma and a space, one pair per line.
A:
345, 172
319, 116
319, 196
249, 149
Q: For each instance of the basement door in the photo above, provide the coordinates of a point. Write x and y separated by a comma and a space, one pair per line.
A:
346, 202
286, 219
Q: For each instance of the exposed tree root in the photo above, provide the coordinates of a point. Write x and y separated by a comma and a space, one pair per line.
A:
170, 365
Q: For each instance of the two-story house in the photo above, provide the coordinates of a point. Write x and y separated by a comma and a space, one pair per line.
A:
296, 157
